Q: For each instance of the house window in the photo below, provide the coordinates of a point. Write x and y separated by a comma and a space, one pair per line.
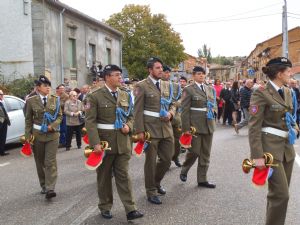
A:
72, 58
92, 54
108, 56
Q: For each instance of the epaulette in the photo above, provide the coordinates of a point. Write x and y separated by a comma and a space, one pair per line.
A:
94, 90
33, 96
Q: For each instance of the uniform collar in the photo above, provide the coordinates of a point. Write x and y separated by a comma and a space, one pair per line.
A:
153, 80
275, 86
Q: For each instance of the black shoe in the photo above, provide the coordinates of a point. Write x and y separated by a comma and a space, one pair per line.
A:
134, 215
106, 214
50, 194
161, 190
67, 148
154, 200
177, 163
43, 191
206, 184
4, 153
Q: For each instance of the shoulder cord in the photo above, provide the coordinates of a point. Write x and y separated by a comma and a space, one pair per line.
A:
291, 120
121, 115
48, 118
164, 103
210, 106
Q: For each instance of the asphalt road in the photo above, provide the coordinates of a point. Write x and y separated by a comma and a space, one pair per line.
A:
234, 202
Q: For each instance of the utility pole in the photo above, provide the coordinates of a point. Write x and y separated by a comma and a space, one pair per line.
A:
285, 38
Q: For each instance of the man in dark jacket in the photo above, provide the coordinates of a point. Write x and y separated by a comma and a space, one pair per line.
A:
245, 94
225, 96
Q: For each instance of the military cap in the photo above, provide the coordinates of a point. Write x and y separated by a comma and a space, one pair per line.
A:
111, 67
282, 61
198, 69
166, 68
42, 80
153, 60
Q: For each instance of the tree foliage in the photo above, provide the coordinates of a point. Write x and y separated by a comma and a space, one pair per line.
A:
222, 60
146, 35
204, 52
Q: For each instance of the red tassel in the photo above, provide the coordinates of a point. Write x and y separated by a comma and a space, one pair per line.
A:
138, 150
260, 176
186, 140
94, 160
86, 139
26, 150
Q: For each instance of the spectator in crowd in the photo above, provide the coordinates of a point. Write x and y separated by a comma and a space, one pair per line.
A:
218, 88
94, 70
60, 91
245, 94
73, 110
83, 92
4, 122
235, 101
227, 106
293, 85
183, 82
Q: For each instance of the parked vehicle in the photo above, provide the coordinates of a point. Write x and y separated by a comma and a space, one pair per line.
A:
14, 107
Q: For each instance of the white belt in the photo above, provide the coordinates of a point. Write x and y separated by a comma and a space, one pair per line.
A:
37, 127
150, 113
275, 131
199, 109
105, 126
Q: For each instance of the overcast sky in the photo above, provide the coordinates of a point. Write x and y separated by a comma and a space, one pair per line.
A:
238, 24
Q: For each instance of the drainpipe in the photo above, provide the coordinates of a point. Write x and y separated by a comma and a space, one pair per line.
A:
121, 52
61, 46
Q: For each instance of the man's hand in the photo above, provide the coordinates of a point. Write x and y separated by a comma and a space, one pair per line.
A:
125, 129
167, 118
260, 163
97, 148
50, 129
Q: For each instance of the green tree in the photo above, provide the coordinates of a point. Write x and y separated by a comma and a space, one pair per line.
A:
146, 35
205, 53
222, 60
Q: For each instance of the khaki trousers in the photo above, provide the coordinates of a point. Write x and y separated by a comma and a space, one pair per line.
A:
118, 164
278, 195
201, 147
154, 170
177, 135
45, 160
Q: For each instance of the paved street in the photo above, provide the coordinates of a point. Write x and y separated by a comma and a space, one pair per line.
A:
234, 201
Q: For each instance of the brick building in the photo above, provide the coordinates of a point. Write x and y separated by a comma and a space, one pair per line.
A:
269, 49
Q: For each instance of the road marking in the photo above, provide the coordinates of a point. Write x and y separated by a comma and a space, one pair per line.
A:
298, 159
4, 164
80, 219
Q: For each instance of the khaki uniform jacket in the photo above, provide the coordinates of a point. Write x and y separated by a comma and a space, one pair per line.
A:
34, 115
101, 109
193, 96
267, 109
147, 97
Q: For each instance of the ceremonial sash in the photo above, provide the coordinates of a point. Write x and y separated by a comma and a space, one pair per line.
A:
164, 103
48, 118
121, 115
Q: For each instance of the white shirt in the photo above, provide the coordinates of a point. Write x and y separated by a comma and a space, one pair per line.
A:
42, 98
199, 85
154, 81
112, 91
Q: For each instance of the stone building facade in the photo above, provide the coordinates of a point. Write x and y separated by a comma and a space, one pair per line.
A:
62, 42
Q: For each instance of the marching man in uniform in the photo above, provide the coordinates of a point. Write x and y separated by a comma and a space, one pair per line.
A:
42, 119
103, 123
153, 111
198, 103
273, 129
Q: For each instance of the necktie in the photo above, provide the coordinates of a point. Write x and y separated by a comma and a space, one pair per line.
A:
157, 85
202, 88
45, 101
114, 94
280, 91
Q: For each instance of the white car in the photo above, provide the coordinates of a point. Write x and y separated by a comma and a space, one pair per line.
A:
14, 107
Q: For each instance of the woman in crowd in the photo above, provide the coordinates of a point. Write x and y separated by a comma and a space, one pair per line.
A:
73, 110
235, 101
